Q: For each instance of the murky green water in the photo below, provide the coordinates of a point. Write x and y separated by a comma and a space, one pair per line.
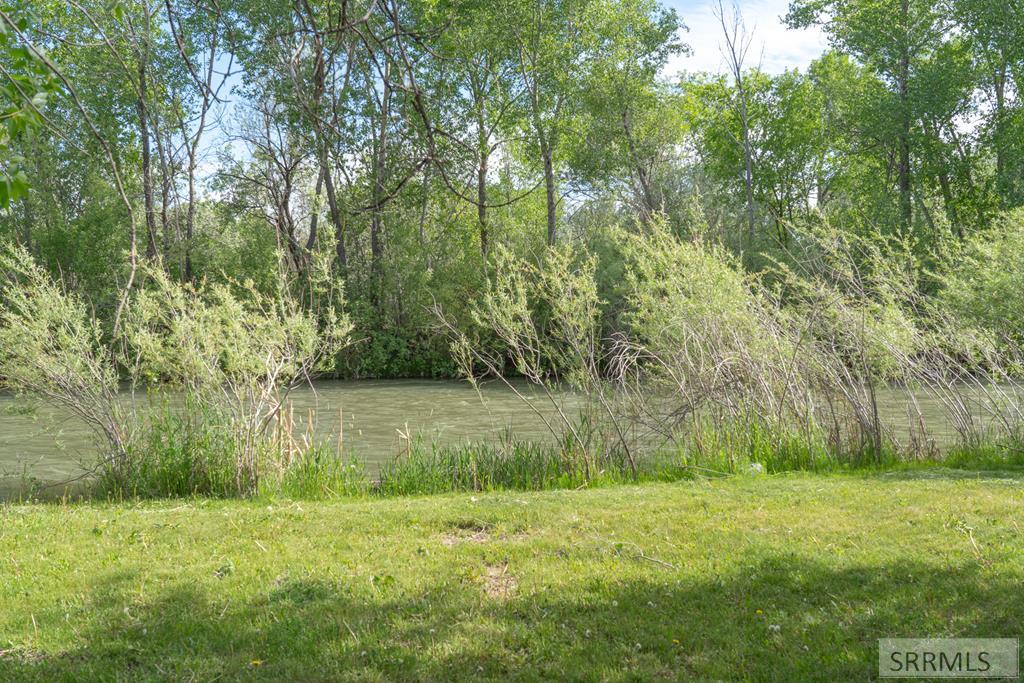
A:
45, 444
51, 445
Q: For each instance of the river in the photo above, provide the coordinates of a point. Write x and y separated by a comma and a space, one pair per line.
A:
45, 444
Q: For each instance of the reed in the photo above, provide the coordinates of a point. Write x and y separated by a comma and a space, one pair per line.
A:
187, 454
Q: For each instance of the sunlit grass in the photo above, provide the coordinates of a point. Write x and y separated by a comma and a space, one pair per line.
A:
789, 577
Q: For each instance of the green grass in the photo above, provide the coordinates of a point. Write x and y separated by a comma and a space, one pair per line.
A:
319, 474
179, 453
789, 577
511, 464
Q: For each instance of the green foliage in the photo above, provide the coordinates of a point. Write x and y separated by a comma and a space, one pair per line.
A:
984, 283
181, 451
541, 317
53, 348
514, 124
235, 352
221, 335
46, 333
679, 292
26, 86
859, 294
233, 358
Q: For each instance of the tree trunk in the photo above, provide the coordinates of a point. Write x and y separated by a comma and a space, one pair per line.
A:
642, 175
337, 220
551, 193
147, 171
748, 181
484, 153
423, 217
999, 114
481, 206
376, 217
947, 200
906, 206
190, 218
166, 177
288, 226
314, 218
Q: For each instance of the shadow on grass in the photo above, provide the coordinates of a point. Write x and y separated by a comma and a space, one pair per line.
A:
782, 618
939, 472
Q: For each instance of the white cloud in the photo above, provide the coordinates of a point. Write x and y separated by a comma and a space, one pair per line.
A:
775, 48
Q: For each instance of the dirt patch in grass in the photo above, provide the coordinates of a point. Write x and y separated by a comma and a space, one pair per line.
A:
465, 530
478, 531
450, 539
23, 655
499, 584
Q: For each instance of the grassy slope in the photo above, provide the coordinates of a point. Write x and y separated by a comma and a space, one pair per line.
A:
785, 578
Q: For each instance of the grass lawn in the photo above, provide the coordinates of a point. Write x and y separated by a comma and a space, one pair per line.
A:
787, 577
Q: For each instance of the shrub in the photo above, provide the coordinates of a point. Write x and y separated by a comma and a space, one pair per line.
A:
52, 347
696, 328
983, 285
233, 352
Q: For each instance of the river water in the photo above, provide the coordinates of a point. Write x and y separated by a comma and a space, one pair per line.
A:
48, 445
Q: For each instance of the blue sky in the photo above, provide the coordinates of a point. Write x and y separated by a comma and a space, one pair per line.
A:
775, 47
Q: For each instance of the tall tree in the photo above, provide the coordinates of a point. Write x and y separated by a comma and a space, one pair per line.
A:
893, 37
994, 30
629, 124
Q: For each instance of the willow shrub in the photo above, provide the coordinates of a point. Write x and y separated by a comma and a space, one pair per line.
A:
699, 329
229, 351
712, 361
52, 347
541, 320
700, 358
695, 340
984, 284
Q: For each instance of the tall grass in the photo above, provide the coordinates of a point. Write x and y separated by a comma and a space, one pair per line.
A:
319, 473
999, 451
504, 465
303, 466
176, 451
189, 448
188, 454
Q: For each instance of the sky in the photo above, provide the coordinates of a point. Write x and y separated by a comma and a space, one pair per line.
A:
775, 47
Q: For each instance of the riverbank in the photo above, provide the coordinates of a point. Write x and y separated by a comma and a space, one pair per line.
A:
789, 577
374, 423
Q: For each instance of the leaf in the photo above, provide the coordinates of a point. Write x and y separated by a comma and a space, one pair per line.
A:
20, 55
19, 185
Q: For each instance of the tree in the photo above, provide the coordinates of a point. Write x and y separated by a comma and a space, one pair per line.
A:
893, 38
995, 34
736, 49
629, 124
27, 83
549, 54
